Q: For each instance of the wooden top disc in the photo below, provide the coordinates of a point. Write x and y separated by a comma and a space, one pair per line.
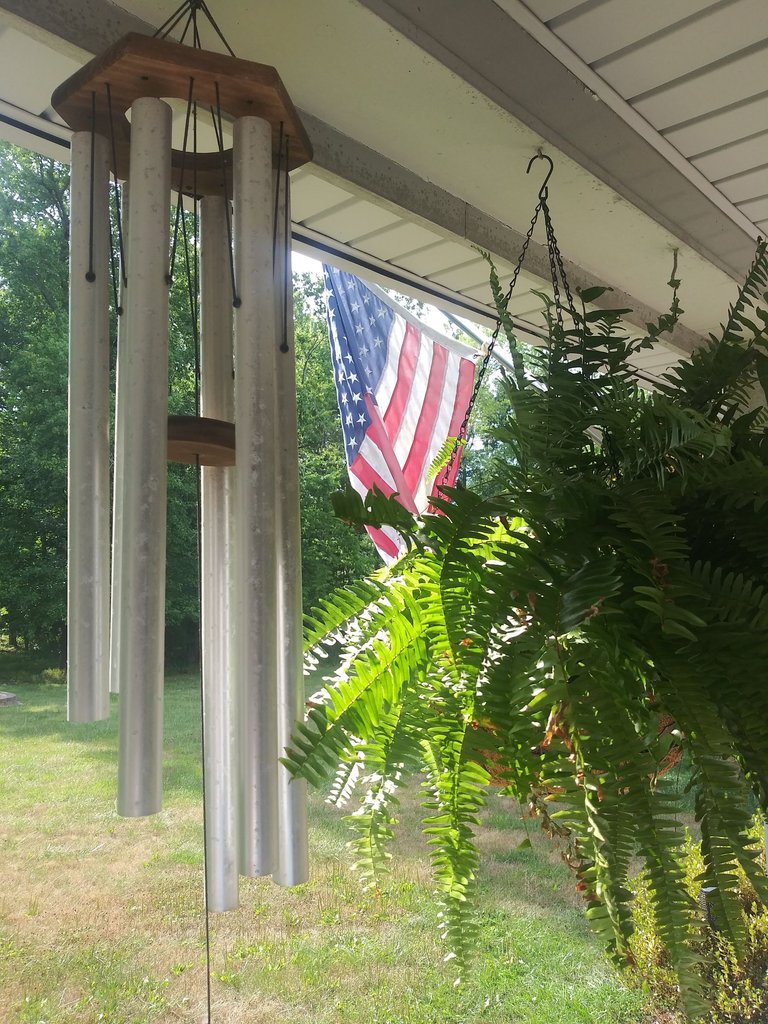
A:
140, 65
200, 440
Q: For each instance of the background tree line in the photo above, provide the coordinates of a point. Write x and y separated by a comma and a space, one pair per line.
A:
34, 240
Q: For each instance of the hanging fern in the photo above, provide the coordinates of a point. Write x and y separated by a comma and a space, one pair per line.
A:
604, 614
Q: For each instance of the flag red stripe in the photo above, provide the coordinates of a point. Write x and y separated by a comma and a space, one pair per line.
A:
368, 476
378, 435
406, 365
433, 397
382, 542
460, 406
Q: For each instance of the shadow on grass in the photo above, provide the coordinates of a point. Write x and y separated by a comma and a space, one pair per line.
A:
42, 714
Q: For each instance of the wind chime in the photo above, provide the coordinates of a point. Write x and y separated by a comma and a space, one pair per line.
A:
243, 439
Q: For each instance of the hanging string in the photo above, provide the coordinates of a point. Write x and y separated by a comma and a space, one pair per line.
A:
192, 7
180, 194
113, 275
171, 22
461, 437
288, 279
90, 274
236, 300
118, 206
277, 193
558, 275
204, 7
190, 20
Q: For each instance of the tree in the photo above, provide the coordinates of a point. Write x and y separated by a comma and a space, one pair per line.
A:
34, 239
332, 554
574, 634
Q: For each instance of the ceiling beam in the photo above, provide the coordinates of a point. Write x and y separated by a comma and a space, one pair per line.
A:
495, 55
91, 26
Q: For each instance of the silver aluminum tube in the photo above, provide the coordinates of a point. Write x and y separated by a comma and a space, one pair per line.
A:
117, 470
219, 705
293, 852
255, 558
88, 464
142, 598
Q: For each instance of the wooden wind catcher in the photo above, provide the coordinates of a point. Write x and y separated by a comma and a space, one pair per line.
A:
255, 815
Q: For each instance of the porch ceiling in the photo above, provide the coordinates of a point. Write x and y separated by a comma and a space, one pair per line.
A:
422, 130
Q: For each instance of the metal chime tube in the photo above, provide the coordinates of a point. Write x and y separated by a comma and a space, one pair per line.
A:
255, 538
217, 482
293, 851
142, 598
117, 471
88, 465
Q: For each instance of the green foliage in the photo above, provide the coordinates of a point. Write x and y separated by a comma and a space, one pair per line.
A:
571, 635
34, 240
734, 980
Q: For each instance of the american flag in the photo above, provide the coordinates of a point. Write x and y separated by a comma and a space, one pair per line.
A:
402, 388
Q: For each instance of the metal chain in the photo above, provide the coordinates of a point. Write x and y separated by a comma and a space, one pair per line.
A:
558, 275
480, 374
557, 266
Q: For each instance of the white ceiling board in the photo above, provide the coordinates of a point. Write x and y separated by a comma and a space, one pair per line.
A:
30, 70
395, 241
721, 126
471, 273
352, 70
742, 187
548, 9
355, 218
597, 29
756, 209
681, 49
725, 161
735, 80
311, 195
441, 256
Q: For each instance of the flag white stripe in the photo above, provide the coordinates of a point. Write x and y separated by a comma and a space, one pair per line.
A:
375, 459
406, 430
388, 380
440, 431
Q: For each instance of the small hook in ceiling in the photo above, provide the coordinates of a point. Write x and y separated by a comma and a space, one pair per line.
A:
541, 156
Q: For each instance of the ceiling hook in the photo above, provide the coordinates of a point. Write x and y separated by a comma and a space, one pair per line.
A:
541, 156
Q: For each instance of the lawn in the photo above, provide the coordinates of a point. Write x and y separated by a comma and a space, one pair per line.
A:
101, 918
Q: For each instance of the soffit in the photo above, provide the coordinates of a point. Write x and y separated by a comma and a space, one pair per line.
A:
346, 67
694, 70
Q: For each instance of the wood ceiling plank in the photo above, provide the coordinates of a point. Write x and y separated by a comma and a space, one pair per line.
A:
601, 29
721, 127
732, 82
743, 187
686, 47
743, 155
311, 195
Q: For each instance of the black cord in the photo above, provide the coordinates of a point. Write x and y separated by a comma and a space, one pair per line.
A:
277, 193
192, 6
202, 730
288, 280
90, 274
118, 210
180, 196
216, 29
170, 23
183, 36
236, 300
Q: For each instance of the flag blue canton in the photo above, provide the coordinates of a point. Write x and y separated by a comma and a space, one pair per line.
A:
360, 325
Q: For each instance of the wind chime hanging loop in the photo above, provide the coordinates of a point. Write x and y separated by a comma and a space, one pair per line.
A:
250, 562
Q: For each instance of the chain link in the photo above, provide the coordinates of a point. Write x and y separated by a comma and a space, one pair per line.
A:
558, 275
481, 371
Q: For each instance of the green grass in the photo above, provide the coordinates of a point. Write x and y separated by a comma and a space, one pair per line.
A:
101, 918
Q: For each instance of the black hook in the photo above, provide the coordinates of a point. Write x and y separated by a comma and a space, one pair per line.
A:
542, 156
